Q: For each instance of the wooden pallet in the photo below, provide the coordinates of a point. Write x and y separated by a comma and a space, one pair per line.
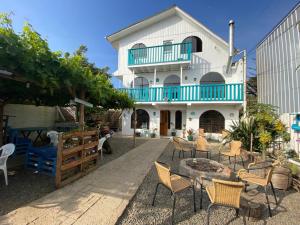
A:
77, 155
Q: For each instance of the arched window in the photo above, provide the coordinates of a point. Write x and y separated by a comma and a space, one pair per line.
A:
142, 119
139, 50
140, 82
171, 84
212, 78
196, 44
178, 120
213, 92
212, 121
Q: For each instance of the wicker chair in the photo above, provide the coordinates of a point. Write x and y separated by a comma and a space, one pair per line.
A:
224, 193
201, 146
248, 177
201, 132
235, 150
174, 182
181, 146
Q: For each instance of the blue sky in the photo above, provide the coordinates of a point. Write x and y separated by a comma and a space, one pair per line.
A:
69, 23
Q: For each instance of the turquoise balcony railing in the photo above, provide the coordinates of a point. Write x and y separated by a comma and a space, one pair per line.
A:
160, 54
204, 92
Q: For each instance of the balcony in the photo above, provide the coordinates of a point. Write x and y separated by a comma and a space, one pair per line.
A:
191, 93
172, 54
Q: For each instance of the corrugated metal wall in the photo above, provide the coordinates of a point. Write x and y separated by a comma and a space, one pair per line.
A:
278, 65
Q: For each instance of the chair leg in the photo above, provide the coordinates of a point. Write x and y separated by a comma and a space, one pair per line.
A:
173, 154
208, 212
5, 175
234, 163
237, 211
229, 159
272, 187
201, 195
266, 192
174, 201
194, 198
242, 161
155, 194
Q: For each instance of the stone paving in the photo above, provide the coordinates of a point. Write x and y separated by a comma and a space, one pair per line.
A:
98, 198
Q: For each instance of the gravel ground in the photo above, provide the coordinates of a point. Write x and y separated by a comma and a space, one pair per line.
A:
140, 210
26, 186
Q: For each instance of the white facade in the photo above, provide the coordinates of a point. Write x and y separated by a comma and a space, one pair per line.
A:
174, 25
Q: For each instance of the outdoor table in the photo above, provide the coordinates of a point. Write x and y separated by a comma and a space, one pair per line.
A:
203, 170
27, 131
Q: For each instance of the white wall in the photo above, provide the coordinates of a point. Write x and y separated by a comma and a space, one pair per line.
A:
213, 58
230, 113
30, 115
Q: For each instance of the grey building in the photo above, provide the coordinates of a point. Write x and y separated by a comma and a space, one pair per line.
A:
278, 64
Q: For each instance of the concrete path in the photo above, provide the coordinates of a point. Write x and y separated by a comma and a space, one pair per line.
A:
98, 198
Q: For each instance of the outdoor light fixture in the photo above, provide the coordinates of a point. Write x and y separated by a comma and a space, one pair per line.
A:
157, 80
154, 113
195, 79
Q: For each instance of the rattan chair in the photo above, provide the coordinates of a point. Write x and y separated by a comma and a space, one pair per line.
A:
201, 132
264, 181
174, 182
235, 150
201, 146
224, 193
181, 146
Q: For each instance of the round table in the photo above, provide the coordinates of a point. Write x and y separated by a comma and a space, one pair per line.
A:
207, 169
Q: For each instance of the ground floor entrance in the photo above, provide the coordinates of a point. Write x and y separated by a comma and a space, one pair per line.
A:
164, 122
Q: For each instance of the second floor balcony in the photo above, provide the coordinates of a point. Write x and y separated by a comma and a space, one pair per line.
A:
188, 93
162, 54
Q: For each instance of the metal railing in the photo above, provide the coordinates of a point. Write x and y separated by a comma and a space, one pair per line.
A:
203, 92
160, 54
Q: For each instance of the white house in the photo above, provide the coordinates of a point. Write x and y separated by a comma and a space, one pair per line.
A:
180, 74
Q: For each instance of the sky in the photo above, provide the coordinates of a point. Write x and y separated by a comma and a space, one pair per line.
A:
67, 24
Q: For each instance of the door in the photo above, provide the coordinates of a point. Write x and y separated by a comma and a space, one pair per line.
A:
164, 120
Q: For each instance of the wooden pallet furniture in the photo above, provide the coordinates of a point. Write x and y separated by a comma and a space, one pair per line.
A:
77, 155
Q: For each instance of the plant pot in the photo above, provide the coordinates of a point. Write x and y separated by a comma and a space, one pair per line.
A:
282, 178
152, 135
173, 133
190, 137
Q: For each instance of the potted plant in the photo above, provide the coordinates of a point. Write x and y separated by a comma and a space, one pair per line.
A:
153, 133
190, 133
282, 174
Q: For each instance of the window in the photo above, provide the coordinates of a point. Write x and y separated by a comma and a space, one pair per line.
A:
178, 120
139, 50
142, 119
196, 44
167, 46
212, 121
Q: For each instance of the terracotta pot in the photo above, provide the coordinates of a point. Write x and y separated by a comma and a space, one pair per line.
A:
282, 178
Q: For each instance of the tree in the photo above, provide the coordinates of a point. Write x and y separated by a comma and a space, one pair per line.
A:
32, 73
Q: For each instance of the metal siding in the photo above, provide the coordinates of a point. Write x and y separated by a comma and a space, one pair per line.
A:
277, 57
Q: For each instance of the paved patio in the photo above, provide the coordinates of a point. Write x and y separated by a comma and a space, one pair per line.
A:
98, 198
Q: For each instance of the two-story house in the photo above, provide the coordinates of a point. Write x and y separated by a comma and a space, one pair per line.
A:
180, 74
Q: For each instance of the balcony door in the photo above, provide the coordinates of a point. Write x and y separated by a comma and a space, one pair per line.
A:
164, 121
171, 90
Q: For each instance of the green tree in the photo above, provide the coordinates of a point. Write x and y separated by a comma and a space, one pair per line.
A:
37, 75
